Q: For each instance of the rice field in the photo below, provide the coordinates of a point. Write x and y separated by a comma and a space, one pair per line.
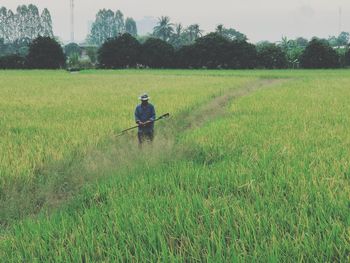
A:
252, 166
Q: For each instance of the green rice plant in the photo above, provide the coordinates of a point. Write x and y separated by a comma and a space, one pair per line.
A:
264, 179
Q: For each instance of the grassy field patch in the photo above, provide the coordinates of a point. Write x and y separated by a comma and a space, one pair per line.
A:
264, 179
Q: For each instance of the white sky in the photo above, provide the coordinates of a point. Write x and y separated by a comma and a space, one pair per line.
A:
258, 19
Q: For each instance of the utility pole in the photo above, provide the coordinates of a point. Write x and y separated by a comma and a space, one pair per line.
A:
340, 20
72, 21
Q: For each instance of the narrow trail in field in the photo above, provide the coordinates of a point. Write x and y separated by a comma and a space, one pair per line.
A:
57, 184
217, 106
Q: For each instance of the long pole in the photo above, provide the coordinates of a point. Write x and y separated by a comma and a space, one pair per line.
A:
340, 20
167, 115
72, 20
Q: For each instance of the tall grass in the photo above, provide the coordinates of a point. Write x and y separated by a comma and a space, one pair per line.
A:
53, 121
266, 181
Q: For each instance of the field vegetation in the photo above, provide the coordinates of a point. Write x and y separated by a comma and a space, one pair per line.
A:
252, 166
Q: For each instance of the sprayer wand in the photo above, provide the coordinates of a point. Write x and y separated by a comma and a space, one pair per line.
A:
164, 116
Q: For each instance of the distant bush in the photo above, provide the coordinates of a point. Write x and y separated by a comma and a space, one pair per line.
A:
91, 52
347, 57
185, 57
157, 53
242, 55
211, 51
72, 48
319, 54
215, 51
45, 53
73, 61
86, 64
12, 62
271, 56
120, 52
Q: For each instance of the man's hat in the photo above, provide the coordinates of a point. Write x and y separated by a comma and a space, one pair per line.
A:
144, 97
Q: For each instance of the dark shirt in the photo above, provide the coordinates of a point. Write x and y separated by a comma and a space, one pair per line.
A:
143, 114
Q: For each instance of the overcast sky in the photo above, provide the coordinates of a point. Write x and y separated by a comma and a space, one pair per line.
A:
258, 19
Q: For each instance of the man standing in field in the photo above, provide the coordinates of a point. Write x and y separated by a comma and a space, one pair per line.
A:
145, 116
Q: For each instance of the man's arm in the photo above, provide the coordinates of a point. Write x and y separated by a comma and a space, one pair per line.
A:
153, 114
137, 117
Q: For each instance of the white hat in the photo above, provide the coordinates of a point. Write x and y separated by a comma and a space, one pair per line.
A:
144, 97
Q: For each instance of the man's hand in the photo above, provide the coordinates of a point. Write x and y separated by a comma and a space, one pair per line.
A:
143, 124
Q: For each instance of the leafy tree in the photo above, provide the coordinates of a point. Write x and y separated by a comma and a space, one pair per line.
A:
92, 54
20, 46
26, 23
21, 22
71, 49
130, 27
347, 57
34, 22
193, 32
343, 39
319, 54
157, 53
3, 23
164, 29
211, 51
178, 38
2, 46
103, 28
342, 53
271, 56
119, 22
333, 41
119, 52
46, 24
109, 25
12, 62
219, 29
230, 33
301, 42
292, 50
45, 53
185, 57
73, 62
242, 55
11, 32
216, 51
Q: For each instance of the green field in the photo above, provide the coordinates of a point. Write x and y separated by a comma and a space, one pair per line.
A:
252, 166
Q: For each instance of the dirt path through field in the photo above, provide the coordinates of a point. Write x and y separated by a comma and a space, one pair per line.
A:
217, 106
57, 184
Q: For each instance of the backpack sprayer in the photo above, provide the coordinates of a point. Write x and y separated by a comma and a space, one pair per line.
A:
164, 116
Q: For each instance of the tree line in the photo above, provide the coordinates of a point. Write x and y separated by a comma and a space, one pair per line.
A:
215, 51
115, 44
26, 23
108, 24
212, 51
19, 29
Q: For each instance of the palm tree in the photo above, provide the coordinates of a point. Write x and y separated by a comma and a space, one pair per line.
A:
178, 39
285, 43
178, 29
194, 32
164, 29
291, 49
220, 29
